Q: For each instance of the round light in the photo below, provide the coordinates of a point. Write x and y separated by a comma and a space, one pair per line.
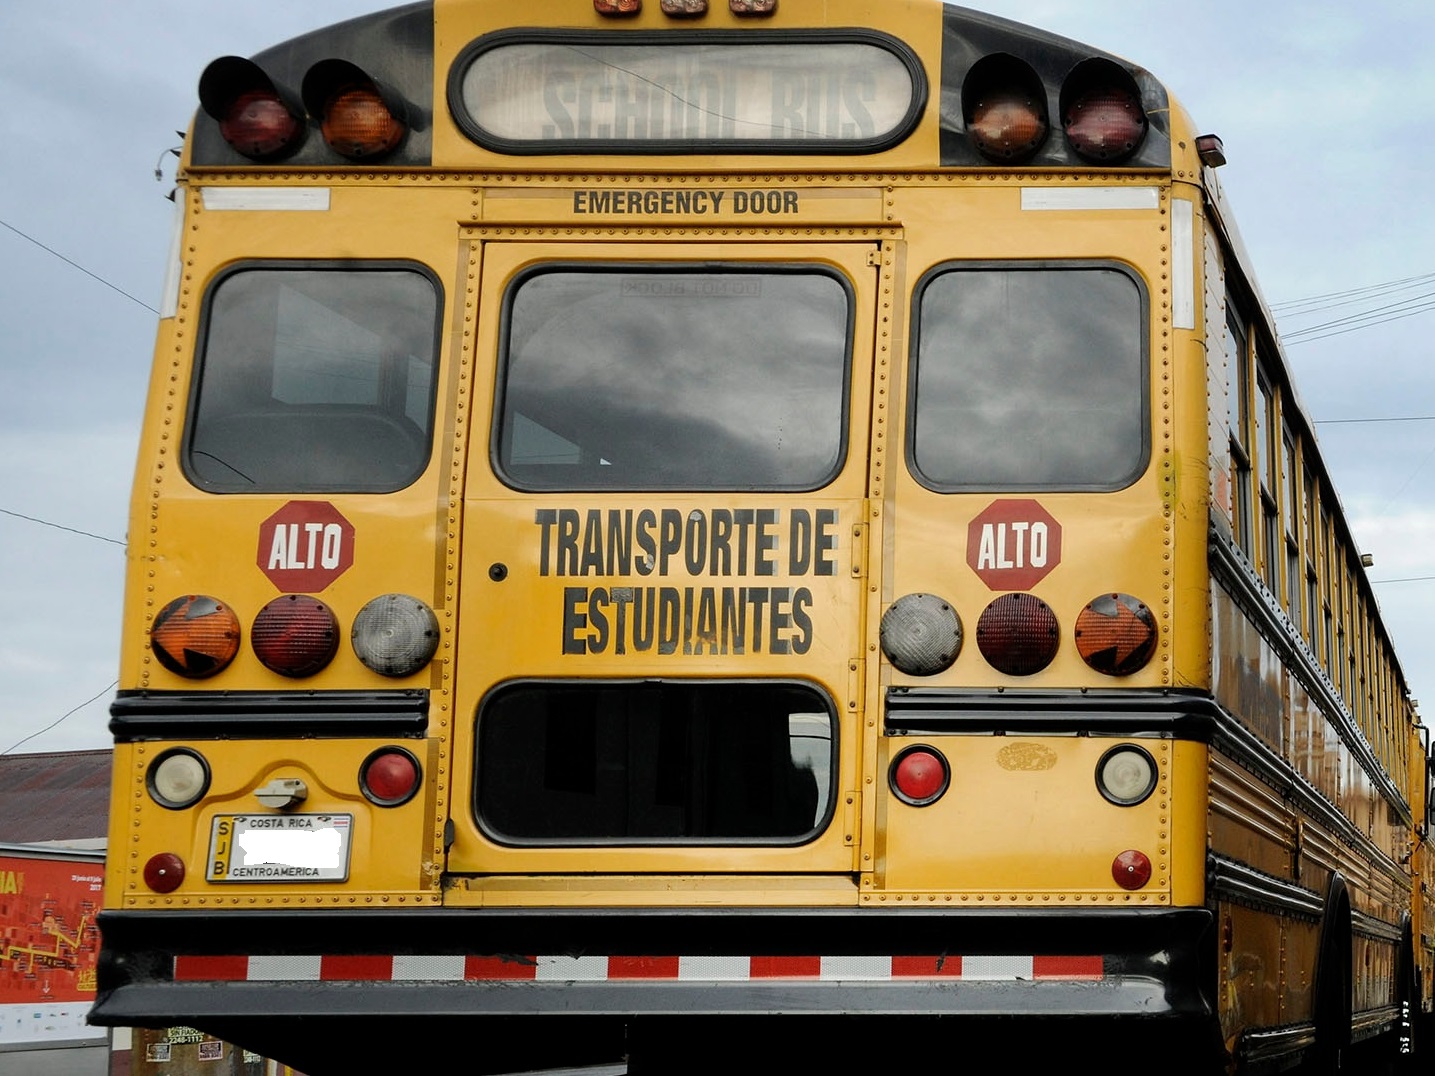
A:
258, 124
295, 635
921, 634
919, 775
1126, 775
1007, 124
395, 635
1018, 634
390, 776
1131, 869
195, 636
177, 779
1116, 634
164, 873
1103, 118
357, 123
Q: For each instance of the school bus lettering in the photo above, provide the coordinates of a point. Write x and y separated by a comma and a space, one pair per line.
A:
755, 202
695, 620
718, 542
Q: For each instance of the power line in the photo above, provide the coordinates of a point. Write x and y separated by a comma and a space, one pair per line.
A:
76, 265
1393, 418
61, 527
52, 724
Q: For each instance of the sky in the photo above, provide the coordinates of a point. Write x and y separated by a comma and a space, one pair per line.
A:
1321, 106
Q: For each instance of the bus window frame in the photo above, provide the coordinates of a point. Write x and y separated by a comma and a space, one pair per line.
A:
498, 427
820, 827
200, 359
916, 106
1143, 462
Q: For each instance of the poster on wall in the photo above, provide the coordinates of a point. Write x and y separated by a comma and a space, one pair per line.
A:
48, 945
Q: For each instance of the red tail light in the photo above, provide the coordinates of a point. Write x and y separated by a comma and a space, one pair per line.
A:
253, 115
1101, 112
1018, 634
164, 873
195, 636
919, 776
358, 119
295, 635
1131, 869
390, 776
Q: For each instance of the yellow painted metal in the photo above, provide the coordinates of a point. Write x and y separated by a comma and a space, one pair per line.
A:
392, 854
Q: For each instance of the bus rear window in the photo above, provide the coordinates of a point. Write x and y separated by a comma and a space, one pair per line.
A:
655, 763
627, 378
1029, 378
314, 379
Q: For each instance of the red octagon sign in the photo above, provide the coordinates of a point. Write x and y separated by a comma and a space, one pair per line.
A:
305, 546
1013, 544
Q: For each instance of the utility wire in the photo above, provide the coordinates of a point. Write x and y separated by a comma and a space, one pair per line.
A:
52, 724
76, 265
60, 527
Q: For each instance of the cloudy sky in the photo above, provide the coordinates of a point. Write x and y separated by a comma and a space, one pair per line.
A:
1321, 106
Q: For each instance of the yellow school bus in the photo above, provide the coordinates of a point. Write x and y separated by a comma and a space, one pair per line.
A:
669, 525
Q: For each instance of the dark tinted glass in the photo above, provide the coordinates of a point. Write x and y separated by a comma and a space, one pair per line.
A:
640, 379
315, 380
644, 763
1029, 378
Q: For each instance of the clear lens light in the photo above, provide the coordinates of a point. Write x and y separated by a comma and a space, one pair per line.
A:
1127, 775
395, 635
179, 779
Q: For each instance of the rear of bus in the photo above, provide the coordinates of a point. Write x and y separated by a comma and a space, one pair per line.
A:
654, 518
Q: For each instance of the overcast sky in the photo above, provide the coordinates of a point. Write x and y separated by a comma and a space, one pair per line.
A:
1322, 107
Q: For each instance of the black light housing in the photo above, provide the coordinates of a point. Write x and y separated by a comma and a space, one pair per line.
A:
359, 118
255, 116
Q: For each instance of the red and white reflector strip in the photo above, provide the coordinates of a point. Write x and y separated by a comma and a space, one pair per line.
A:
594, 969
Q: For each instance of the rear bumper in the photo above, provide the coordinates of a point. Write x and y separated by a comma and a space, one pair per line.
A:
333, 991
190, 967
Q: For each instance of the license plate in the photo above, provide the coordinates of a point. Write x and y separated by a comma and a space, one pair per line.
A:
280, 848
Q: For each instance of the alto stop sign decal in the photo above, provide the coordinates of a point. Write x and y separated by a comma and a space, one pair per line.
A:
1013, 544
305, 546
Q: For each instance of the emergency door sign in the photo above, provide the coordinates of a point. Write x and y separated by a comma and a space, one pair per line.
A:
1013, 544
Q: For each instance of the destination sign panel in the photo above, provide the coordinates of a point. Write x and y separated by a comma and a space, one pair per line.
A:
560, 95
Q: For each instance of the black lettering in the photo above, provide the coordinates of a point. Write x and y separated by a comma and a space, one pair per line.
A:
734, 620
620, 541
545, 518
722, 552
717, 197
779, 621
670, 537
801, 602
826, 542
766, 542
789, 201
743, 517
705, 632
669, 610
573, 620
622, 598
757, 597
593, 543
644, 619
567, 541
799, 542
695, 543
739, 201
687, 620
597, 620
646, 522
